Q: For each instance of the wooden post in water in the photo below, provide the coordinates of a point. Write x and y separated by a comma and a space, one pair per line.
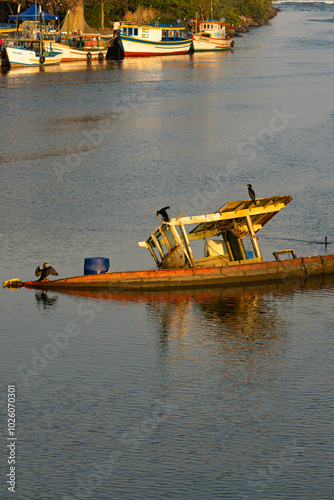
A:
102, 15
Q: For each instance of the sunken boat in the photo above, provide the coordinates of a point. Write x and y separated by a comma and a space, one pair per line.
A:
225, 261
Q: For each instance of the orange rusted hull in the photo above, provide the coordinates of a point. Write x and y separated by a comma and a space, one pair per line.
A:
203, 294
167, 278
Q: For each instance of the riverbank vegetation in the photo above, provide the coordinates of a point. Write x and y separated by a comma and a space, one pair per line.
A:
233, 11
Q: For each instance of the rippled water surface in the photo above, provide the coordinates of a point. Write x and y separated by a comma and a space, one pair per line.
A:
197, 394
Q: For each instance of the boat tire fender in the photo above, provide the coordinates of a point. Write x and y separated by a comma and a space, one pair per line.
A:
100, 56
232, 43
89, 56
42, 59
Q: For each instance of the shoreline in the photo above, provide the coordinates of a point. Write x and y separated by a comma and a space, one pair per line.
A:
248, 23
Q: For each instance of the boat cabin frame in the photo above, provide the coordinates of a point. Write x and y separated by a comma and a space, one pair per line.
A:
222, 232
211, 27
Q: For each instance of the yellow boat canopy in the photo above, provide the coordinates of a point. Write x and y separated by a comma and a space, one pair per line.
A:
170, 246
232, 216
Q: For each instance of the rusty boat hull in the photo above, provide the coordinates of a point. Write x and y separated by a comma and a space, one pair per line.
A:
302, 267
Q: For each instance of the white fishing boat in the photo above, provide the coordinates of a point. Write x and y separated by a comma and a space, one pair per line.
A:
79, 47
25, 56
211, 35
153, 39
31, 52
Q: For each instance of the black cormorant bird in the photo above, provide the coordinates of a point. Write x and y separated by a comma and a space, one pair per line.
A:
45, 271
251, 193
163, 214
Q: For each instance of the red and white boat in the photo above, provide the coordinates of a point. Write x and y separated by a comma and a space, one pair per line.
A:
80, 47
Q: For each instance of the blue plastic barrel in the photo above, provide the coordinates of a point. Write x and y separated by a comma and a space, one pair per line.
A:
96, 265
249, 254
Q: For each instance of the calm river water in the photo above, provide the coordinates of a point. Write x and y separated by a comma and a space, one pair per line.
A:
199, 394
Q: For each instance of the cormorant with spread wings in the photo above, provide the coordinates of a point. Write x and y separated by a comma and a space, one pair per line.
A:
163, 214
45, 271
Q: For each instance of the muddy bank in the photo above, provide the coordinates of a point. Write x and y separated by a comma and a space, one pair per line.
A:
249, 23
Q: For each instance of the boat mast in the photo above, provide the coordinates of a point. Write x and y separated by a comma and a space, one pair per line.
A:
68, 27
17, 23
40, 33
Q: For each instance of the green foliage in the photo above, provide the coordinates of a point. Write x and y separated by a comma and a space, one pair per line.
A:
234, 9
93, 13
169, 10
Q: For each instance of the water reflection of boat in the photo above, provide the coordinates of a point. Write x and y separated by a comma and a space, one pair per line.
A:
238, 312
200, 294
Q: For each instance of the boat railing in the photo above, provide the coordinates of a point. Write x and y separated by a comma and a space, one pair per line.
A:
170, 26
154, 25
284, 252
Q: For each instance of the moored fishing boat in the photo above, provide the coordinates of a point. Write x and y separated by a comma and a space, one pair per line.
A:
32, 52
225, 261
80, 47
25, 56
69, 53
153, 39
211, 36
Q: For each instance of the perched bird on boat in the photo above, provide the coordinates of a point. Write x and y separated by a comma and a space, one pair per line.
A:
252, 194
45, 271
163, 214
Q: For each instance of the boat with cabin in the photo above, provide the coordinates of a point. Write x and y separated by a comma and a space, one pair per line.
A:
79, 46
153, 39
27, 51
32, 53
225, 261
74, 45
211, 35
